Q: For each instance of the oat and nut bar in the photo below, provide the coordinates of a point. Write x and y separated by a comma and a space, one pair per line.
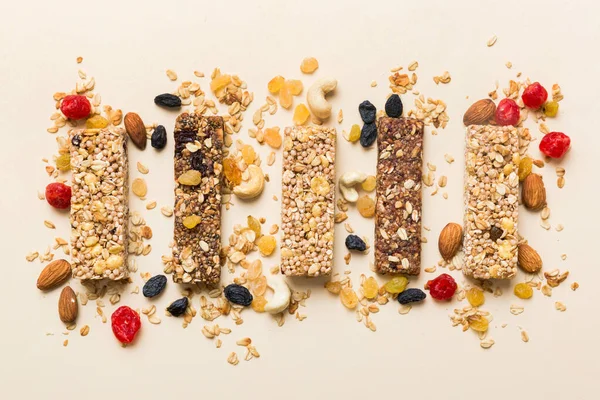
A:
491, 201
399, 207
307, 206
198, 169
99, 204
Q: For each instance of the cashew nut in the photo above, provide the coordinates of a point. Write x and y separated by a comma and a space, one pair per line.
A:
281, 294
253, 186
315, 97
347, 183
349, 194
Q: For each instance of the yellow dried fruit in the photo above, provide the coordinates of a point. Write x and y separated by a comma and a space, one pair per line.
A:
296, 87
254, 270
349, 298
266, 245
190, 178
139, 188
272, 137
191, 221
96, 122
370, 288
248, 154
258, 303
285, 97
475, 297
523, 291
366, 206
334, 287
63, 162
319, 185
258, 287
220, 82
232, 172
369, 184
478, 323
301, 114
525, 166
396, 285
275, 84
254, 224
354, 133
309, 65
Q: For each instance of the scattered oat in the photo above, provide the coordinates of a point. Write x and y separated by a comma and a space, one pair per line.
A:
166, 211
32, 256
508, 65
66, 343
560, 306
233, 358
413, 66
84, 330
340, 116
79, 60
524, 336
142, 168
151, 205
244, 341
574, 286
373, 83
444, 78
404, 309
172, 75
492, 41
487, 343
449, 159
49, 224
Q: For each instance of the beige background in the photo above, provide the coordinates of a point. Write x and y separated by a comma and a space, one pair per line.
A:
127, 48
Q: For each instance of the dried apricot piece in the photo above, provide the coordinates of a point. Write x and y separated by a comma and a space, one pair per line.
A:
309, 65
349, 298
266, 245
63, 162
334, 287
301, 114
220, 82
285, 97
369, 184
275, 84
254, 224
370, 288
232, 172
258, 303
295, 86
366, 206
248, 154
191, 221
96, 122
475, 297
273, 137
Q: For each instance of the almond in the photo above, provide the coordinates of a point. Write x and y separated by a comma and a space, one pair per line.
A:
450, 239
55, 274
529, 259
480, 113
533, 193
136, 130
67, 305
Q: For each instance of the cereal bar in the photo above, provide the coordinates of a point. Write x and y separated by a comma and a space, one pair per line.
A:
99, 206
399, 208
198, 165
307, 207
491, 201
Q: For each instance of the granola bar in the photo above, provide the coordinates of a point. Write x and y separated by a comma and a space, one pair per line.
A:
197, 210
99, 204
399, 207
491, 201
307, 206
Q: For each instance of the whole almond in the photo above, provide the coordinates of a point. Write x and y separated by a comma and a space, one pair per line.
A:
450, 239
533, 193
55, 274
136, 129
529, 259
67, 305
480, 113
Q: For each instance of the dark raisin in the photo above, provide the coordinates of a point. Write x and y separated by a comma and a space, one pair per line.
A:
393, 106
76, 141
353, 242
154, 286
367, 112
368, 135
167, 100
238, 294
178, 307
411, 295
159, 137
197, 163
495, 233
182, 138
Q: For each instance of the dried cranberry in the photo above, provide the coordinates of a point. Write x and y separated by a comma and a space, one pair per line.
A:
197, 163
555, 144
125, 324
507, 112
76, 107
442, 287
534, 95
58, 195
159, 137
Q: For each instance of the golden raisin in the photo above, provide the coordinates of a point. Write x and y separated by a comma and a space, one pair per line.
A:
319, 185
334, 287
309, 65
301, 114
272, 137
266, 244
275, 84
295, 86
523, 290
349, 298
258, 287
254, 270
232, 172
354, 133
285, 97
478, 323
475, 297
254, 224
191, 221
96, 122
369, 184
366, 206
370, 288
248, 154
525, 168
190, 177
63, 162
258, 303
396, 285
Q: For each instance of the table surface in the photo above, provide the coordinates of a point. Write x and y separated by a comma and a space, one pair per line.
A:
128, 47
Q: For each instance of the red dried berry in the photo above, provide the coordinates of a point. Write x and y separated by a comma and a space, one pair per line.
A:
507, 112
58, 195
442, 287
555, 144
76, 107
125, 324
534, 95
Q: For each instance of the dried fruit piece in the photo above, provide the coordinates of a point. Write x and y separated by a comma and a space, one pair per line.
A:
478, 323
354, 134
238, 294
266, 244
191, 221
248, 154
220, 82
349, 298
75, 107
555, 144
396, 285
125, 324
334, 287
534, 95
254, 224
159, 137
178, 307
295, 86
367, 112
370, 288
309, 65
507, 112
139, 188
58, 195
154, 286
550, 109
258, 304
301, 114
167, 100
319, 185
411, 295
368, 135
369, 184
443, 287
285, 97
525, 166
258, 287
354, 242
475, 297
523, 290
393, 106
190, 178
63, 162
366, 206
273, 137
96, 122
254, 270
276, 84
232, 172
